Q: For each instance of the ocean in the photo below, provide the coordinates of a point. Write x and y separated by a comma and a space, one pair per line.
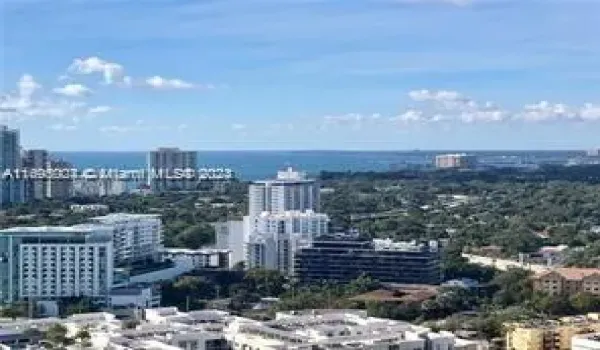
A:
253, 165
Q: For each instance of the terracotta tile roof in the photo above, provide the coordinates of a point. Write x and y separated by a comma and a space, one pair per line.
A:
571, 273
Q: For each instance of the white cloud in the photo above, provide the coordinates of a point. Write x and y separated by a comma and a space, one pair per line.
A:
110, 71
115, 129
99, 109
446, 105
590, 112
436, 96
159, 82
238, 126
27, 86
544, 111
411, 115
72, 90
63, 127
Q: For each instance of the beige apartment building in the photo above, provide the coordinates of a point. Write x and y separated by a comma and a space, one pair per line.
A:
568, 281
549, 335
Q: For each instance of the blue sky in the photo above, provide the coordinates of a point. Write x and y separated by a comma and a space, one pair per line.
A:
301, 74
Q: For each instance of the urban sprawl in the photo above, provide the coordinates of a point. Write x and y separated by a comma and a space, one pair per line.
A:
398, 260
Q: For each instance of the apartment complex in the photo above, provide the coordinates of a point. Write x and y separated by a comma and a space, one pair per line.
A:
55, 262
12, 189
291, 190
455, 161
162, 164
337, 329
168, 328
549, 335
274, 238
136, 237
343, 259
568, 281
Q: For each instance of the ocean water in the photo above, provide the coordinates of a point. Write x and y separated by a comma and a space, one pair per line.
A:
253, 165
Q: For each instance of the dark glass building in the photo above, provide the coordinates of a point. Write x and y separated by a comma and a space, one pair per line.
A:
343, 259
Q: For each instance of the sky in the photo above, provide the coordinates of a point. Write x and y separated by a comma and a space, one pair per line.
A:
111, 75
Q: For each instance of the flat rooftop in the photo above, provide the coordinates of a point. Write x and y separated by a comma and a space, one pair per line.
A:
116, 217
75, 229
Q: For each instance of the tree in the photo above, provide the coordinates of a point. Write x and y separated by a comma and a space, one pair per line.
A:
514, 287
56, 335
195, 236
83, 337
585, 302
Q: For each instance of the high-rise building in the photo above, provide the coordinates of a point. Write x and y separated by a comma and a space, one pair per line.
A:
12, 189
99, 187
55, 262
136, 237
36, 159
455, 161
343, 259
60, 186
163, 164
274, 238
291, 190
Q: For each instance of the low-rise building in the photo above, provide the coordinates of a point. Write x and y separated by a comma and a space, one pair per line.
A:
88, 208
568, 281
197, 258
549, 335
336, 329
456, 161
342, 259
586, 342
134, 297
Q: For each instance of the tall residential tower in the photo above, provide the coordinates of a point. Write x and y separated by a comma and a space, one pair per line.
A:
162, 165
291, 190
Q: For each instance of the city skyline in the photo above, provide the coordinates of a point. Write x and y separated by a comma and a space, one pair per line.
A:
310, 74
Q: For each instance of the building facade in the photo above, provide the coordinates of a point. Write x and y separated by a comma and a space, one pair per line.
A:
290, 191
136, 237
60, 187
198, 258
37, 189
274, 238
568, 281
336, 329
163, 163
342, 259
586, 342
455, 161
55, 262
549, 335
12, 189
230, 235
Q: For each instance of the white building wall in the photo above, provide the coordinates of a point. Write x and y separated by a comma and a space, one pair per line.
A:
273, 239
65, 270
230, 235
586, 342
135, 236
